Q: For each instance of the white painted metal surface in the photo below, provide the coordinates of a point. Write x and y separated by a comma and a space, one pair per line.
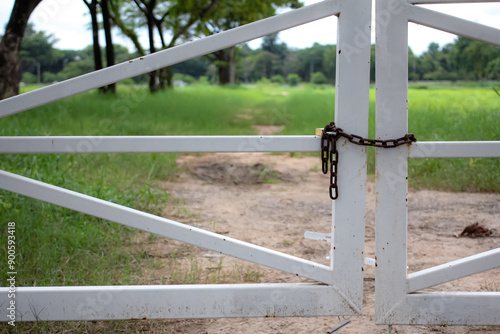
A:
340, 291
455, 149
351, 112
391, 164
136, 144
454, 270
440, 308
178, 301
396, 297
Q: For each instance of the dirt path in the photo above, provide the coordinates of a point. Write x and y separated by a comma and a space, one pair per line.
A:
270, 200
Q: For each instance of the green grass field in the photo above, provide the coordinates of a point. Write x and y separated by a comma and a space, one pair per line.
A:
57, 246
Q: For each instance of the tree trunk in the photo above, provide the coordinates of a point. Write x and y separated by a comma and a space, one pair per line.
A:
165, 78
164, 74
110, 50
232, 65
95, 36
10, 46
96, 47
223, 75
153, 76
223, 67
311, 71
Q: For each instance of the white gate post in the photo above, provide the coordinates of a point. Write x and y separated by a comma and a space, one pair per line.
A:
391, 164
396, 300
351, 114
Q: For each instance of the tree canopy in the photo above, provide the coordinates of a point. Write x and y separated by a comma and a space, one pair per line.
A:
180, 21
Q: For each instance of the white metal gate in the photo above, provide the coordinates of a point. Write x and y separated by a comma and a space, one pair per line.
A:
340, 285
396, 297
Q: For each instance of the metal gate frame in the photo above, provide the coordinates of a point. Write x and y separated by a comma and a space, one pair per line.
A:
396, 293
340, 287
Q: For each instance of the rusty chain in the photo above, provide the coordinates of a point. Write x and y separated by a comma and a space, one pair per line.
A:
329, 153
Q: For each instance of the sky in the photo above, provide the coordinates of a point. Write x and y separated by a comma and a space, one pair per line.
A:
69, 22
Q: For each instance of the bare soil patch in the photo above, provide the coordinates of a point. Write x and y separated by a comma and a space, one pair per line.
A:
229, 194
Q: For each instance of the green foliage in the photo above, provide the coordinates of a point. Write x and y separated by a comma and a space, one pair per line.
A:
318, 78
493, 69
76, 68
263, 82
29, 78
203, 80
37, 50
278, 79
465, 59
330, 61
293, 79
49, 77
183, 77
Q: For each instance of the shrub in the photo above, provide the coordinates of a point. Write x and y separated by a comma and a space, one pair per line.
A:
203, 80
278, 79
318, 78
293, 79
29, 78
263, 82
49, 77
183, 77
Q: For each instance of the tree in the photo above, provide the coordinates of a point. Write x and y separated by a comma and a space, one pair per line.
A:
127, 28
493, 69
92, 6
231, 14
270, 44
110, 51
478, 55
177, 17
10, 47
37, 52
311, 60
330, 62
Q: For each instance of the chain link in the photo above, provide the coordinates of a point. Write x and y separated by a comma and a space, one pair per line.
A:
329, 153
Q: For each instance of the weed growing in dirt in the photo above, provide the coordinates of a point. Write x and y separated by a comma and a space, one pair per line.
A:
491, 286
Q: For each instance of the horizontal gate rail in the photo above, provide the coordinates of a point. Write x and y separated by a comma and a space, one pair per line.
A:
162, 226
454, 149
454, 270
177, 301
135, 144
459, 308
169, 57
217, 144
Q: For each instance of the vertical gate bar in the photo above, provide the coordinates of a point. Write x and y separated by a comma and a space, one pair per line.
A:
351, 114
391, 164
